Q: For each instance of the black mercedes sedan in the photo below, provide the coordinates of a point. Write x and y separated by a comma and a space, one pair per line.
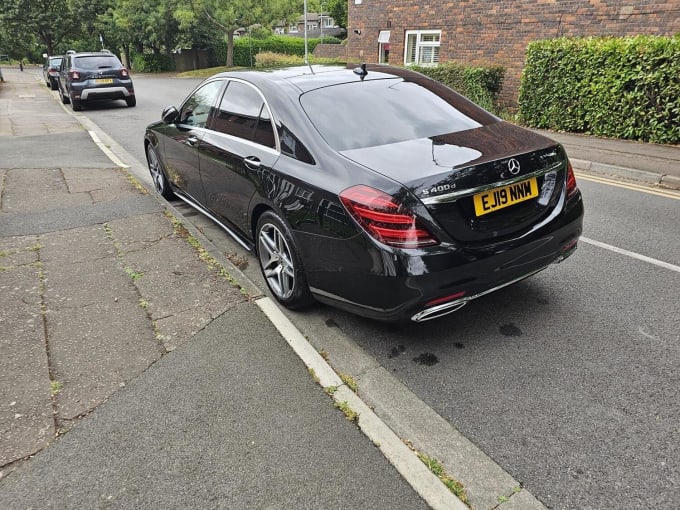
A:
372, 189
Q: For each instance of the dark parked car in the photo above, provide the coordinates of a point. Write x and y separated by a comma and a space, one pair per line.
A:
94, 76
375, 190
51, 71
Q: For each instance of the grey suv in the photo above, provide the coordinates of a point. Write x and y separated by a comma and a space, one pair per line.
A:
94, 76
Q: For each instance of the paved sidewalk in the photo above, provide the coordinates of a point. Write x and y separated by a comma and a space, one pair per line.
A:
137, 370
635, 161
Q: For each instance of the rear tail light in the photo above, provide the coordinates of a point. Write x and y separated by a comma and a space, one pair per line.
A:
74, 75
571, 181
385, 219
124, 73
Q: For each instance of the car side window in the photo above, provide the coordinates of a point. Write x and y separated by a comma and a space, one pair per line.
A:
291, 146
244, 114
196, 108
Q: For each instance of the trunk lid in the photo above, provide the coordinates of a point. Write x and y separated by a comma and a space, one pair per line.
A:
486, 184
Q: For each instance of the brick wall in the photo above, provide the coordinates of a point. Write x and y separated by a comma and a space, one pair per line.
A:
330, 51
481, 32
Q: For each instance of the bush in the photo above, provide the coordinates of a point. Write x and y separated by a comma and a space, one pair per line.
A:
152, 63
481, 85
625, 88
270, 59
245, 48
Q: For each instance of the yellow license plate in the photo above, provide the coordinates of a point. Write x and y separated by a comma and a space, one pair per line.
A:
498, 198
103, 80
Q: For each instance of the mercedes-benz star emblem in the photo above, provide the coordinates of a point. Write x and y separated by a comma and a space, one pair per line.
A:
513, 166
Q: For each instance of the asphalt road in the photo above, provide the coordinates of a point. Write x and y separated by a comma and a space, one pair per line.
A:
569, 380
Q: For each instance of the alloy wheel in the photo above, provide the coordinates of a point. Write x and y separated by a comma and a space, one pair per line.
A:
276, 261
155, 170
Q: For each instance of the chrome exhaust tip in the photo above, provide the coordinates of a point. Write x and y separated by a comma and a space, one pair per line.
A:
439, 311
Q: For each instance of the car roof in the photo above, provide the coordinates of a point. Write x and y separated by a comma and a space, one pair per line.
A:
92, 54
306, 78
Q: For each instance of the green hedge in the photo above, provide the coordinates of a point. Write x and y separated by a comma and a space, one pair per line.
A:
267, 60
625, 88
245, 48
481, 85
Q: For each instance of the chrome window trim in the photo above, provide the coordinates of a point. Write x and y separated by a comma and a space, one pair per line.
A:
266, 105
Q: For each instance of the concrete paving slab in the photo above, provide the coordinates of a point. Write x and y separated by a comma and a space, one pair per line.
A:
26, 423
64, 248
19, 250
98, 333
183, 294
188, 433
20, 152
49, 191
51, 220
108, 183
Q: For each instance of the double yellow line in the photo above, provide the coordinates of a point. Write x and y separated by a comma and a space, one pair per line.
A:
668, 193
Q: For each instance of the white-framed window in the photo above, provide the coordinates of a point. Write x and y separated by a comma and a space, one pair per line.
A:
422, 47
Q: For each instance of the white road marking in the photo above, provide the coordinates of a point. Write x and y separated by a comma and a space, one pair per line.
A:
632, 254
106, 150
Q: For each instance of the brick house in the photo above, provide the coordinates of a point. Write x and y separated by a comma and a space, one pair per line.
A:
480, 32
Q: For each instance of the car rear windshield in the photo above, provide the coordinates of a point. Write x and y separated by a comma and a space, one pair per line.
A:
379, 112
55, 62
92, 63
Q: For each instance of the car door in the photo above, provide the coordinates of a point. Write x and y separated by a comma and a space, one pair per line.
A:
63, 75
182, 140
239, 149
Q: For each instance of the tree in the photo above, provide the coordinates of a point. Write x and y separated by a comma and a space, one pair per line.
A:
338, 11
25, 21
229, 16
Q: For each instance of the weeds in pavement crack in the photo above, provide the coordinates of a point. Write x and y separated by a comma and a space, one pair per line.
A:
438, 470
134, 275
313, 374
349, 381
203, 255
349, 413
55, 386
135, 182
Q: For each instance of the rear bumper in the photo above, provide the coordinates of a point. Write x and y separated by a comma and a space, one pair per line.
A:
425, 284
105, 93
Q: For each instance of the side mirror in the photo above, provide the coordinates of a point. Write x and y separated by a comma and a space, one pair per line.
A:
170, 114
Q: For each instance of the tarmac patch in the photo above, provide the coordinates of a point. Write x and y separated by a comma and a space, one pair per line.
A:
427, 358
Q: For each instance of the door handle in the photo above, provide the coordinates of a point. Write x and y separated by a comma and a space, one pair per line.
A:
252, 162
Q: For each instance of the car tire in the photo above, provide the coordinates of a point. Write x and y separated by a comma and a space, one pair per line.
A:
160, 183
280, 263
52, 86
131, 101
64, 98
76, 104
